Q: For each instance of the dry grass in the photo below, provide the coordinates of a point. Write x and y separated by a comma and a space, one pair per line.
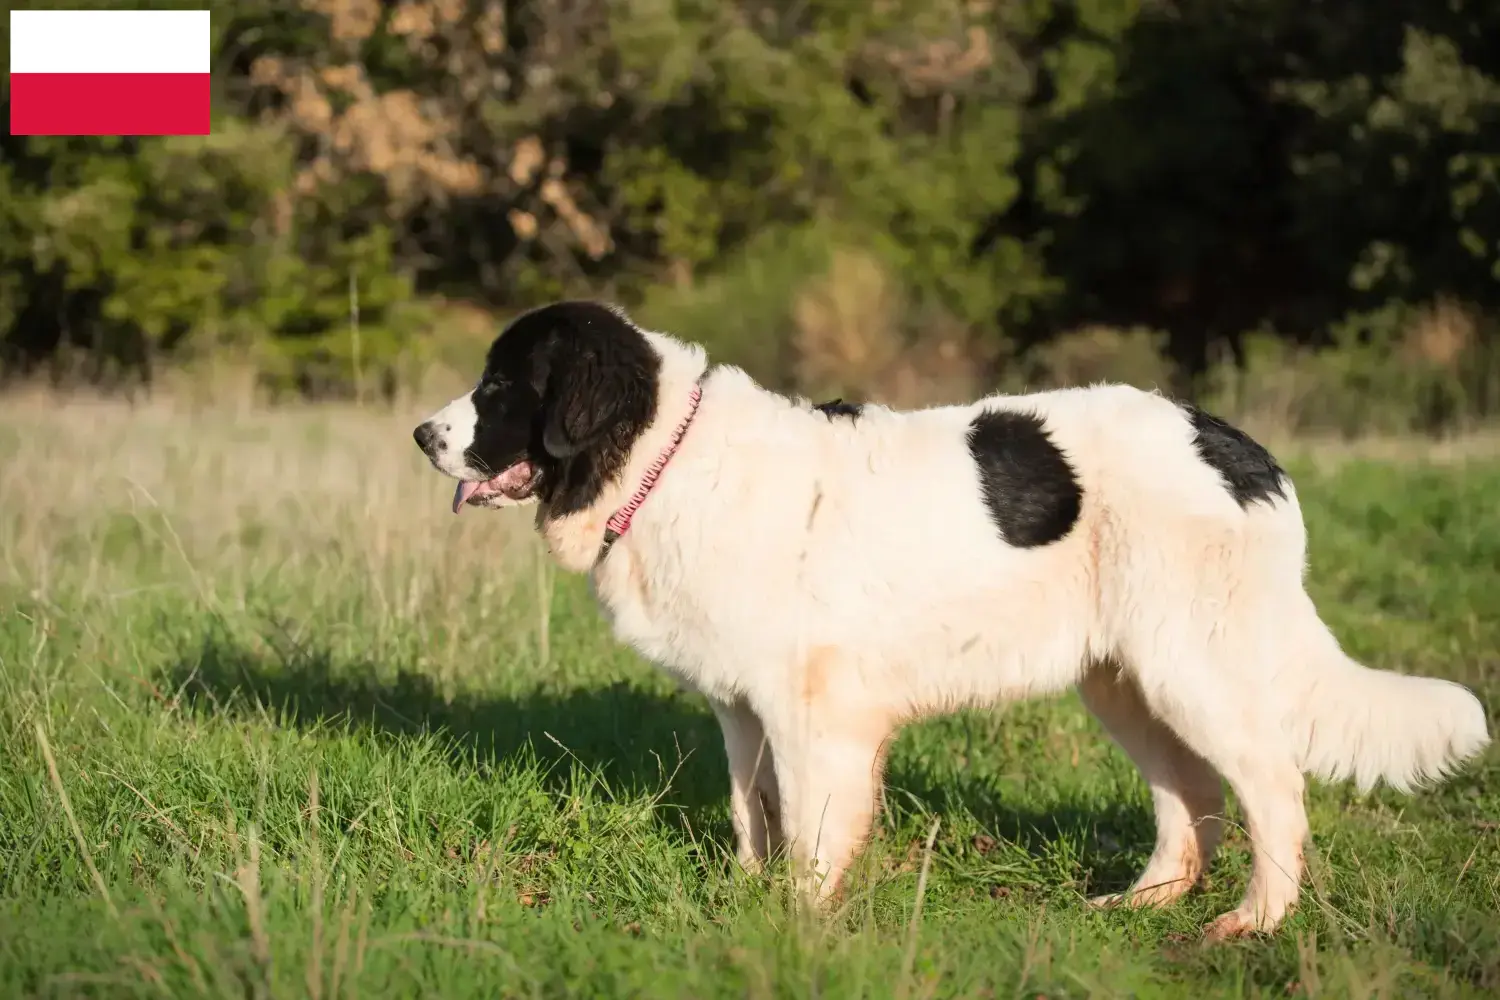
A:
223, 491
1400, 449
852, 338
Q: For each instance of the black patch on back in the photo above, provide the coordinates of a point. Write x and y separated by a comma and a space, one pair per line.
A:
1028, 485
839, 408
1249, 472
570, 386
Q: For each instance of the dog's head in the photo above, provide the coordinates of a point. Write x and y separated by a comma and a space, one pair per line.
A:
566, 391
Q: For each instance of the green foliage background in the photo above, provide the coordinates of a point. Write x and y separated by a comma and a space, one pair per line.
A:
1310, 172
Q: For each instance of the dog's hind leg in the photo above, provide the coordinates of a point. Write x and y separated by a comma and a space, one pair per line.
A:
1208, 695
1187, 793
1197, 612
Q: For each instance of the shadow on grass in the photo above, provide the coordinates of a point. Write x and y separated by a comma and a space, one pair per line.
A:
637, 741
1108, 842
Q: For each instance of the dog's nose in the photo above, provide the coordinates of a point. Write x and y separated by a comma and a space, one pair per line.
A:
426, 437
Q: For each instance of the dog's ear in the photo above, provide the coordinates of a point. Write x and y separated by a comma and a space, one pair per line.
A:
591, 389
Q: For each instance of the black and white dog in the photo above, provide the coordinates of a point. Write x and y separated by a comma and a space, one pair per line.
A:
823, 575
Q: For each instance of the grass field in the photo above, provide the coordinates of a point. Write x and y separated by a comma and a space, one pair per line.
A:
274, 724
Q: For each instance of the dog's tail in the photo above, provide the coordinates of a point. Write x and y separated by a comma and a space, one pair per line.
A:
1349, 721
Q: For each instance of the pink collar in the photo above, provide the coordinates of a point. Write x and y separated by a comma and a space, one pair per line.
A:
619, 521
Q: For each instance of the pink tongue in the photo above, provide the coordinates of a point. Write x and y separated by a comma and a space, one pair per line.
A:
462, 494
514, 479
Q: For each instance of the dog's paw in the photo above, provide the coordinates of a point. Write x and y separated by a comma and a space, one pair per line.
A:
1235, 924
1140, 897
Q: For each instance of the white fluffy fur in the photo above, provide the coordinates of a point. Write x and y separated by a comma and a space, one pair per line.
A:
823, 581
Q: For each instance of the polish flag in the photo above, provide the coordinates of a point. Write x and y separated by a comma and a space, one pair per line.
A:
109, 72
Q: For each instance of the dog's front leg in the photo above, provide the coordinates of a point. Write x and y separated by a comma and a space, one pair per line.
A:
754, 800
829, 769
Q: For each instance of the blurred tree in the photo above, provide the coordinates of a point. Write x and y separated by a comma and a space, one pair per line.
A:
1212, 168
1021, 167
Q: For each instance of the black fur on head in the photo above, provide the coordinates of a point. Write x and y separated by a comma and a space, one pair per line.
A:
570, 387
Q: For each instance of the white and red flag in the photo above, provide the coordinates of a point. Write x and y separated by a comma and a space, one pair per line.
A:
109, 72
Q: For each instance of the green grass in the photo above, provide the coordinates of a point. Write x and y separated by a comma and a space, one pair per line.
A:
323, 739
